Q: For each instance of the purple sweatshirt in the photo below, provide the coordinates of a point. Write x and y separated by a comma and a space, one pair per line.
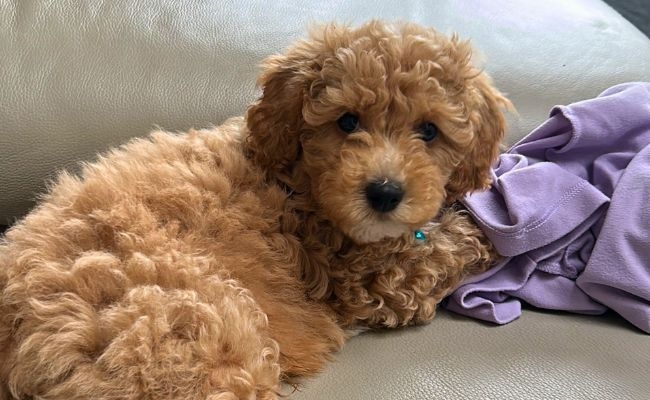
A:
570, 211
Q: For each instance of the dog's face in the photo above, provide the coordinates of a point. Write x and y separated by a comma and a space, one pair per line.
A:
386, 124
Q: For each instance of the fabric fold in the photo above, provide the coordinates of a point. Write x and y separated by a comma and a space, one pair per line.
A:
569, 212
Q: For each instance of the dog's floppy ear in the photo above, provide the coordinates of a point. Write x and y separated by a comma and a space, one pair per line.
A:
275, 120
488, 125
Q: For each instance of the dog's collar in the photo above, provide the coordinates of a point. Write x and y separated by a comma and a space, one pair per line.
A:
419, 234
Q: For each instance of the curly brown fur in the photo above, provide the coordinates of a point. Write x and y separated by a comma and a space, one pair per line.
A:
216, 263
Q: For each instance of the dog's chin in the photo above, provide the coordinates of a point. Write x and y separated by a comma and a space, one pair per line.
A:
375, 231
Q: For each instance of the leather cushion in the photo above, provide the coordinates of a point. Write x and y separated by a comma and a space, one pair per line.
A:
539, 356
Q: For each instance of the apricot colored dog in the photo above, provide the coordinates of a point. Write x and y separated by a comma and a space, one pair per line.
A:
215, 264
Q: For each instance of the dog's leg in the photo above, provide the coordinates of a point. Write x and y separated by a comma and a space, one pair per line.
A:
306, 331
308, 335
415, 277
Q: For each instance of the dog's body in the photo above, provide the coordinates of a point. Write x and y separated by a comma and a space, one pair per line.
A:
215, 263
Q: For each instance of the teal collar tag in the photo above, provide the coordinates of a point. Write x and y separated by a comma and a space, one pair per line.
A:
419, 235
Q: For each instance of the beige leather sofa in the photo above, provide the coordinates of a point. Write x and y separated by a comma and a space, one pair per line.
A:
79, 76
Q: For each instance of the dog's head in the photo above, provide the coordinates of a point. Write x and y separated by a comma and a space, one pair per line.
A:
382, 124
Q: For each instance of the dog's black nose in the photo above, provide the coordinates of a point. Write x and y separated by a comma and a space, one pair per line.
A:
384, 196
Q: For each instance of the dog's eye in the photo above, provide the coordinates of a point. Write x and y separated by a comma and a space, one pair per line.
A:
348, 123
428, 131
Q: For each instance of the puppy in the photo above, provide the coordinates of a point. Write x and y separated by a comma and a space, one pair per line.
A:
217, 263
